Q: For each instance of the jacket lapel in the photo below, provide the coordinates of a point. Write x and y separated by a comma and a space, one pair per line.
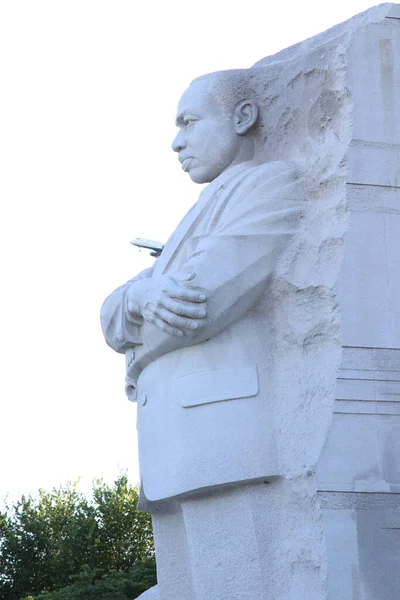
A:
189, 222
184, 230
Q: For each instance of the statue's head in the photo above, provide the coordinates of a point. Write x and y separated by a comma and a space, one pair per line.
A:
217, 119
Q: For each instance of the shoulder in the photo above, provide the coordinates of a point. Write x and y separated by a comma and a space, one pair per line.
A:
265, 178
281, 169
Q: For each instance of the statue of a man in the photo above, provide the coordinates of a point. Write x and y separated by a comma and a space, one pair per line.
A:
196, 331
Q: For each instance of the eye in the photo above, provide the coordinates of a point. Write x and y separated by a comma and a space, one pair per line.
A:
188, 122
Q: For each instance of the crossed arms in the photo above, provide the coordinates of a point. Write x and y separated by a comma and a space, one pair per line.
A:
222, 278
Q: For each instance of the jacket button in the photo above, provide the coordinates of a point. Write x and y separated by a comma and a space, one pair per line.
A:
142, 398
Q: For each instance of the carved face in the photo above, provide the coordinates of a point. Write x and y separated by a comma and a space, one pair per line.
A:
207, 141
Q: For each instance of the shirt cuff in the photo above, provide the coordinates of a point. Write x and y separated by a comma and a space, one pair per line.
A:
130, 325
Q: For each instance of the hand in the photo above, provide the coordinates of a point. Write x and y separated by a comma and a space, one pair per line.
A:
166, 302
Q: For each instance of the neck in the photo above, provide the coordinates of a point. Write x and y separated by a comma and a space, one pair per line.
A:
246, 157
246, 151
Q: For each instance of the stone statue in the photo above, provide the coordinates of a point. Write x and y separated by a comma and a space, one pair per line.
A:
232, 337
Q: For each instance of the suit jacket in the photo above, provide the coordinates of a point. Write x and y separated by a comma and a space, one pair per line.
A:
204, 415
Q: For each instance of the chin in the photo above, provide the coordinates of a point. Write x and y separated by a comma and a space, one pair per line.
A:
200, 176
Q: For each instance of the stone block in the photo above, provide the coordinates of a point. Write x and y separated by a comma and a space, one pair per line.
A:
351, 453
368, 288
375, 82
342, 549
394, 12
372, 165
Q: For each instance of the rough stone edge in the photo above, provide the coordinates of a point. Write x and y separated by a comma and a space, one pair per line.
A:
306, 379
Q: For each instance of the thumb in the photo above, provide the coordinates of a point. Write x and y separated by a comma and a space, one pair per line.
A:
181, 277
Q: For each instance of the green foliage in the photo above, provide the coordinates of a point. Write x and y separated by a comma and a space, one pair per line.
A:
115, 585
104, 541
125, 534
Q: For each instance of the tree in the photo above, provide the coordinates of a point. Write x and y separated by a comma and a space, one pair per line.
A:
46, 540
115, 585
125, 535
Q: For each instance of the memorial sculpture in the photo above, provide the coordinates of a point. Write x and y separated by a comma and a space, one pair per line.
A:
232, 337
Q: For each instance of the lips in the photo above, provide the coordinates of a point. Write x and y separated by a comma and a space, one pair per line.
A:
185, 162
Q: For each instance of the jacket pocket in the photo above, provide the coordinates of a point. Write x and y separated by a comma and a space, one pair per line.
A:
215, 385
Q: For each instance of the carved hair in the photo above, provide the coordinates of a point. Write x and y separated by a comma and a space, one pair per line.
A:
302, 110
231, 87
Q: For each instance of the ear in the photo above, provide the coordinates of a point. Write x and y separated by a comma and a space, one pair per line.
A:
245, 116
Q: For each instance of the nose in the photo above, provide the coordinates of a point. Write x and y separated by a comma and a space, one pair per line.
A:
179, 142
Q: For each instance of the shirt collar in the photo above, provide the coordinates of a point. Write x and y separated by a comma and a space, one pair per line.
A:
228, 174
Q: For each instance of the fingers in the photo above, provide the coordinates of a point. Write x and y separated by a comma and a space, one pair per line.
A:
182, 309
173, 307
165, 327
151, 315
168, 321
177, 321
173, 290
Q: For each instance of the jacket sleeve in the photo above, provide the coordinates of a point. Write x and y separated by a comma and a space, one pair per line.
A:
121, 329
234, 262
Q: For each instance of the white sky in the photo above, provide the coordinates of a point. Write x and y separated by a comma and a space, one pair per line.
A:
87, 106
